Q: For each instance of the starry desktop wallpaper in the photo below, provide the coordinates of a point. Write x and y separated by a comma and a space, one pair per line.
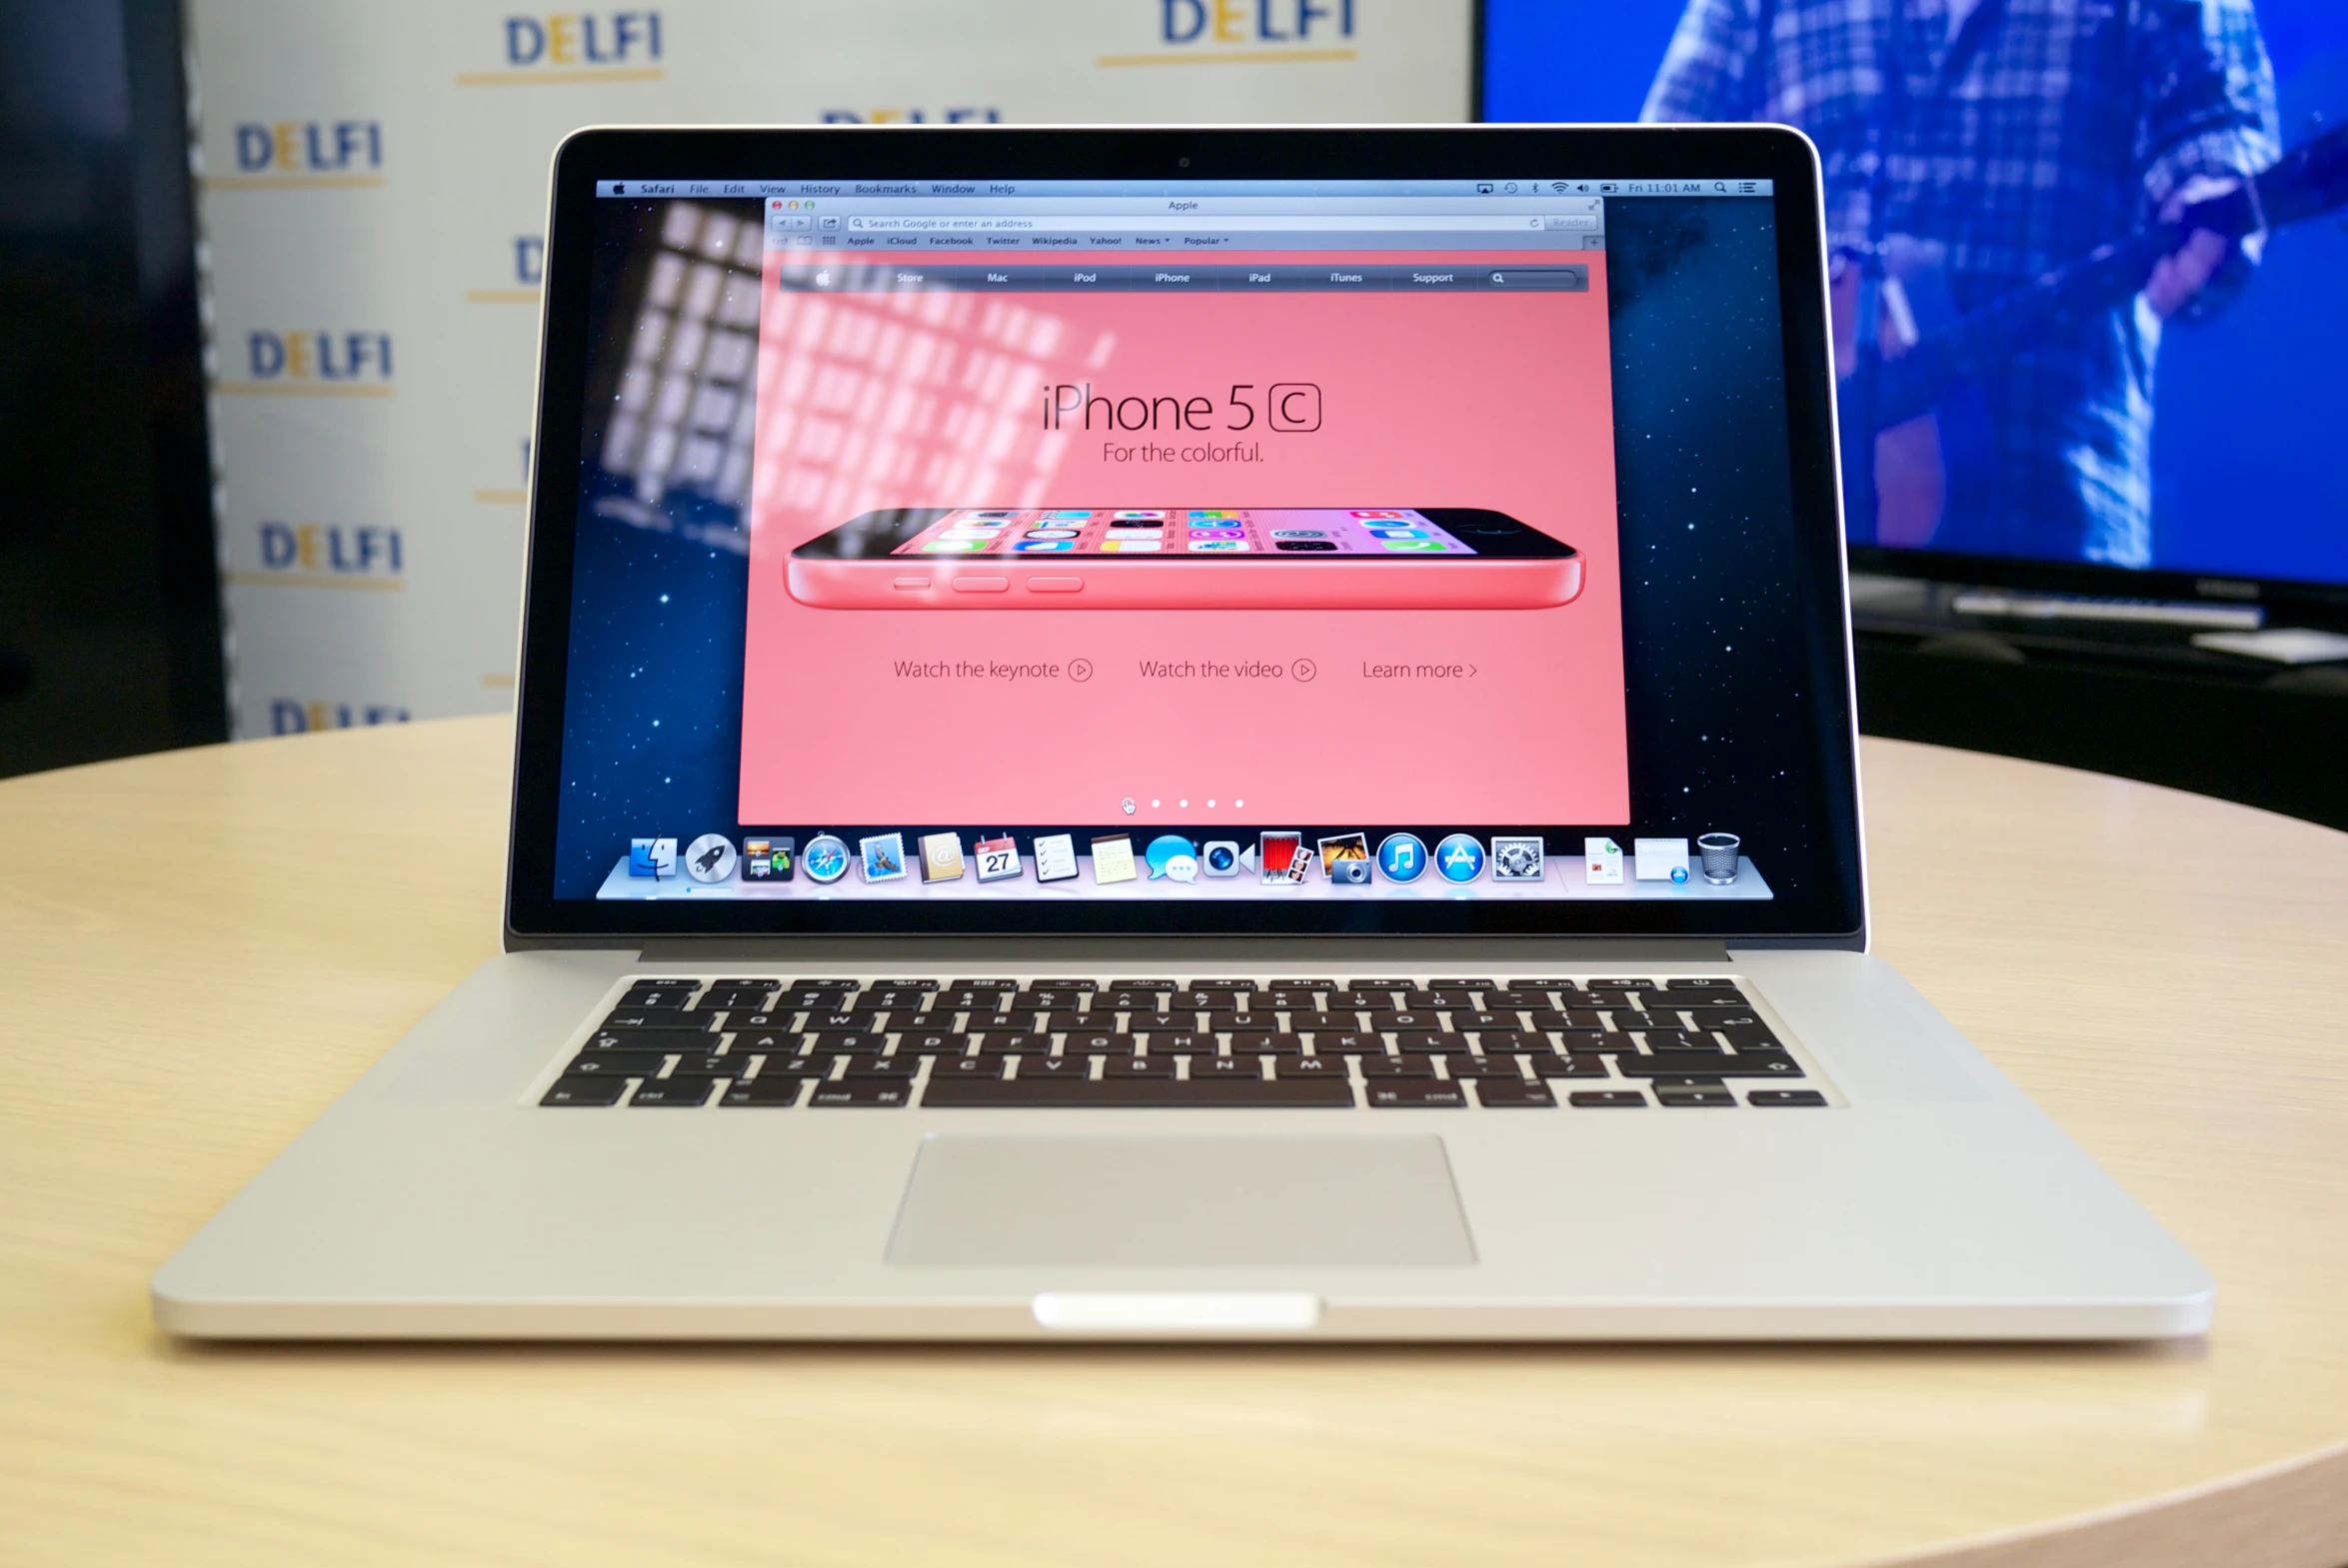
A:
1726, 695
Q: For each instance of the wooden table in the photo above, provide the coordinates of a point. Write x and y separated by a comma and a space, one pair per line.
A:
203, 948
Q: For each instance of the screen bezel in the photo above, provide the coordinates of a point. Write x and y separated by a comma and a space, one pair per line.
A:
1836, 915
1515, 542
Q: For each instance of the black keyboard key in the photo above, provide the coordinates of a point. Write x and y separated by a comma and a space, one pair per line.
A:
835, 1040
650, 1039
1287, 1002
708, 1067
1621, 985
1053, 1000
1593, 1041
1056, 1066
1720, 991
664, 996
1163, 1042
941, 1067
1089, 1042
1487, 1020
1604, 1099
1062, 1019
1545, 985
1462, 1069
675, 981
772, 1019
1421, 1001
1302, 985
1219, 985
1678, 1040
1358, 1001
1063, 985
1384, 985
671, 1091
1517, 999
763, 1090
1784, 1097
1379, 1066
772, 1043
1310, 1067
1757, 1065
981, 986
1670, 1095
1193, 1093
632, 1018
1404, 1019
1258, 1022
966, 1001
1752, 1040
585, 1092
1162, 1023
747, 982
1010, 1043
929, 1042
777, 1068
617, 1065
1137, 1067
1510, 1042
1127, 1001
1566, 1066
1422, 1042
1566, 1019
861, 1068
1196, 1001
862, 1093
1496, 1093
1259, 1043
1432, 1093
1226, 1067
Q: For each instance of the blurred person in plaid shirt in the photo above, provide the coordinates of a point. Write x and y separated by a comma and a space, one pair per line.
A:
2020, 134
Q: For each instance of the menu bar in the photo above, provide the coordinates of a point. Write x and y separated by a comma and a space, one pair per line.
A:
886, 277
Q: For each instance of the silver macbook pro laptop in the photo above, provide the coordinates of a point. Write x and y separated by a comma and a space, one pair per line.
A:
1163, 733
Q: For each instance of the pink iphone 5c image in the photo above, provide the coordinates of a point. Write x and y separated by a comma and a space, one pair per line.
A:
1185, 557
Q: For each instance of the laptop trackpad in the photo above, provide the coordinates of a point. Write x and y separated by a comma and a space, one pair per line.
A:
1176, 1201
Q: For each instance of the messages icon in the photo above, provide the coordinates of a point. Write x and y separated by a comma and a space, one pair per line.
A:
1172, 857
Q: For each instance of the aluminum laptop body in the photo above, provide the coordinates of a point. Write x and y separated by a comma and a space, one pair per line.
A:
1185, 733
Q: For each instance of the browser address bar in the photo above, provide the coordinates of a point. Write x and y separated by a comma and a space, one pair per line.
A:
1370, 223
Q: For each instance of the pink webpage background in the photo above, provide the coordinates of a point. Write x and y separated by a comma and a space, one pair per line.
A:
868, 400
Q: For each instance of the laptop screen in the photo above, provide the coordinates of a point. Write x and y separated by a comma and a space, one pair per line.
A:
1122, 543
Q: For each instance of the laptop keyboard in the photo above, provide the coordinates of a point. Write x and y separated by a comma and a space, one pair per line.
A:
1374, 1043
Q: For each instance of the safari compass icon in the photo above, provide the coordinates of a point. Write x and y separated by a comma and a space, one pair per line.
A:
826, 859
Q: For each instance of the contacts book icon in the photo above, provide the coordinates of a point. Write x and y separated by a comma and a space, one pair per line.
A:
941, 857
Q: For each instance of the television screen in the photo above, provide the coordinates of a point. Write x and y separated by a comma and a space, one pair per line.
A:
2126, 418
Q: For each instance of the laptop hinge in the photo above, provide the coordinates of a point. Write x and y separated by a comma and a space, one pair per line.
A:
1351, 953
